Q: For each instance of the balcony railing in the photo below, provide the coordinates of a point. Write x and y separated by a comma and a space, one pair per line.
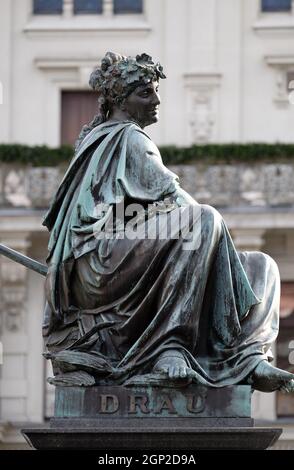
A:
221, 185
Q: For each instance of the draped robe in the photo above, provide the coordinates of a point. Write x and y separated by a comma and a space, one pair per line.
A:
116, 302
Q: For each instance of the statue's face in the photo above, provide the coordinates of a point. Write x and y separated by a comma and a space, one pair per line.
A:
142, 104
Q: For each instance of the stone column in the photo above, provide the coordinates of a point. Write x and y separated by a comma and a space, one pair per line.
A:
263, 405
6, 71
108, 8
13, 295
68, 8
22, 382
248, 239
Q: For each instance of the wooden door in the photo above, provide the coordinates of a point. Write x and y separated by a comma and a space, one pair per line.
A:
77, 108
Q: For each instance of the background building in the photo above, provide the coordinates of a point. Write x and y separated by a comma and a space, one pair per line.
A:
229, 64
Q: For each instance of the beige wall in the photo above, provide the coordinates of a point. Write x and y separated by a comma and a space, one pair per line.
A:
226, 65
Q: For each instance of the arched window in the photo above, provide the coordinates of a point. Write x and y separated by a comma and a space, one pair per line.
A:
87, 7
276, 5
127, 6
47, 7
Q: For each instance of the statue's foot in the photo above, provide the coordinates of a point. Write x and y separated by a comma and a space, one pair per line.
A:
173, 364
267, 378
78, 378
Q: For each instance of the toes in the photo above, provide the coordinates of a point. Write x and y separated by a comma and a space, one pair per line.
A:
180, 372
165, 370
174, 368
161, 370
191, 373
183, 372
288, 387
173, 372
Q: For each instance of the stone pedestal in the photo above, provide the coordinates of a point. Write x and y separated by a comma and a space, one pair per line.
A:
150, 418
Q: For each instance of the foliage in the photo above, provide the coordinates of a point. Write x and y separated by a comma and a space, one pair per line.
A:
172, 155
228, 153
35, 156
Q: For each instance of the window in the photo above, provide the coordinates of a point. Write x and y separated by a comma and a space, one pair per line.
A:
128, 6
47, 7
276, 5
87, 7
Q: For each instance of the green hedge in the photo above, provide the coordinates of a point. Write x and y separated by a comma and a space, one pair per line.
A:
216, 153
228, 153
35, 156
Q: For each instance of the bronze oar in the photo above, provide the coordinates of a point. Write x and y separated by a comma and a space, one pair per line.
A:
24, 260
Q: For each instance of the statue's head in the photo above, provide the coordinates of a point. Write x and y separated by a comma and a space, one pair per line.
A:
127, 90
129, 86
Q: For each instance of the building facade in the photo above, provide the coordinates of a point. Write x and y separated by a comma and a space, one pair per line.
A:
230, 69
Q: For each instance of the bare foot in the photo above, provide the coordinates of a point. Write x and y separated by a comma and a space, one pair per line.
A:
172, 363
267, 378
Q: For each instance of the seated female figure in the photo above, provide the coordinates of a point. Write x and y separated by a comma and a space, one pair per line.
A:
144, 283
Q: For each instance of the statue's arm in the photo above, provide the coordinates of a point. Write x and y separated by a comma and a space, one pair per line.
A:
146, 176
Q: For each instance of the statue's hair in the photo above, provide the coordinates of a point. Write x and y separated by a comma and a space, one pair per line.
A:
114, 80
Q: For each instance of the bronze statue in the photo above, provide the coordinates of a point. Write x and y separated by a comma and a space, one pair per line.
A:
135, 296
